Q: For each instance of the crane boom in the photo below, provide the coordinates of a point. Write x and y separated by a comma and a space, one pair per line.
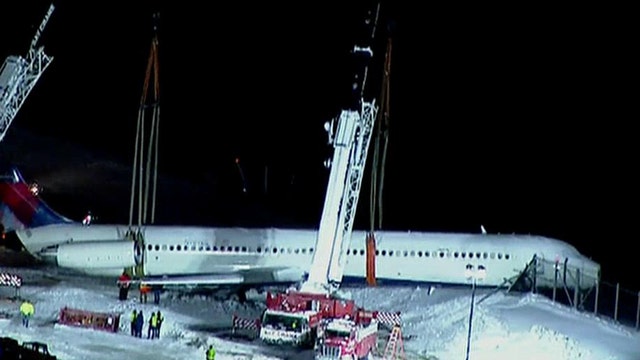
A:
351, 143
294, 317
19, 75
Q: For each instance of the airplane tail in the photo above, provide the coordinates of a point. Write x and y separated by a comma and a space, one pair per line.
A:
20, 208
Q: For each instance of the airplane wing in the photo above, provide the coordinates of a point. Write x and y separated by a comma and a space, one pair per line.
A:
188, 280
254, 276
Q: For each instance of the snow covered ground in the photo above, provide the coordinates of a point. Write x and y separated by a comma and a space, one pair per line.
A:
505, 326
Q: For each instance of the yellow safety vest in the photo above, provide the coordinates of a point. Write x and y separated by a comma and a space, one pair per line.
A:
27, 308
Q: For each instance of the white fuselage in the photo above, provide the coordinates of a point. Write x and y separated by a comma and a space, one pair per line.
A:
401, 256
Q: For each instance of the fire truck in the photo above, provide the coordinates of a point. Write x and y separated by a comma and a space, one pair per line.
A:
347, 338
294, 317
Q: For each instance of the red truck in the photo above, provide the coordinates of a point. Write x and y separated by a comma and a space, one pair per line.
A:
347, 338
294, 318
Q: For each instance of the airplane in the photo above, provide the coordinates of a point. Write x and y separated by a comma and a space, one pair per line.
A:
245, 257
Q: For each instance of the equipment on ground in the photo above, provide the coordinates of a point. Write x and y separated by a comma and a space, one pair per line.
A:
348, 337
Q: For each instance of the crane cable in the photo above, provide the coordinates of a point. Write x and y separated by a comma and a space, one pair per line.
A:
382, 136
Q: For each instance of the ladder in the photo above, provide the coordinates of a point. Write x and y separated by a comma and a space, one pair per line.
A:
19, 75
395, 345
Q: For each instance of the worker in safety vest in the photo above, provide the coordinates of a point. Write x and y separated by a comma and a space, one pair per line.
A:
134, 315
211, 353
159, 320
153, 322
27, 310
144, 292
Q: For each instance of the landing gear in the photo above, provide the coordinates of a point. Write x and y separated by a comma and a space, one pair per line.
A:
241, 293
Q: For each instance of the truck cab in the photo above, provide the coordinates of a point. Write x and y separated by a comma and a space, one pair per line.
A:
289, 328
341, 339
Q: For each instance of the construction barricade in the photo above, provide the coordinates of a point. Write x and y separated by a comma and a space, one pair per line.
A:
388, 319
89, 319
245, 327
12, 280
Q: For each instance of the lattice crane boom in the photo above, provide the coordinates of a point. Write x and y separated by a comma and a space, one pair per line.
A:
351, 143
18, 76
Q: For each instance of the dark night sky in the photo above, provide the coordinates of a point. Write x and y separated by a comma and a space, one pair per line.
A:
518, 118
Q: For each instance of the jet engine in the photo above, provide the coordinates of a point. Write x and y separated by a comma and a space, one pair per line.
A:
84, 256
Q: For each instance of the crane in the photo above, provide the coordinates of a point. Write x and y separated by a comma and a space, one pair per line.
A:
18, 76
350, 145
142, 170
378, 166
316, 300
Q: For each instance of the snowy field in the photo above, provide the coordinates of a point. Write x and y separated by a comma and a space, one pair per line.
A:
505, 326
